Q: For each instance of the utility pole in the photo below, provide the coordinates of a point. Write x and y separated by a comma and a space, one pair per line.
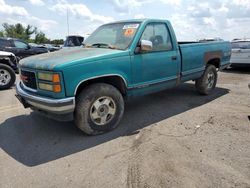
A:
68, 19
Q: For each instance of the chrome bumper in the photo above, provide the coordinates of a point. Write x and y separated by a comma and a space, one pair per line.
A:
56, 106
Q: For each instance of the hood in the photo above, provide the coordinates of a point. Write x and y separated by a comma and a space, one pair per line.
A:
3, 53
68, 57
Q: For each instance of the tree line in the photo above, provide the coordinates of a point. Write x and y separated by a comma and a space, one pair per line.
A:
25, 32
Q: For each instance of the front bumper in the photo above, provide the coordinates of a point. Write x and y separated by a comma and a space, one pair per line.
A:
234, 64
49, 105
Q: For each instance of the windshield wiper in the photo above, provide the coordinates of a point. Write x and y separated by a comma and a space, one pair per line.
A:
100, 45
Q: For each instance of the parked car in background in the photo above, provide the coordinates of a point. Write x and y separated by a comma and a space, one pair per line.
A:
132, 58
20, 48
51, 47
210, 39
8, 67
73, 41
36, 45
240, 53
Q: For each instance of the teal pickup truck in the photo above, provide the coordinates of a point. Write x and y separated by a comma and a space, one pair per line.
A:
117, 61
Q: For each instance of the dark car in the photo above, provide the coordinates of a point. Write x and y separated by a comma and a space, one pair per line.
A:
51, 47
73, 41
20, 48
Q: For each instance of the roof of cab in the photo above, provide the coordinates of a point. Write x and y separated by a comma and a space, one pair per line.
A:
139, 20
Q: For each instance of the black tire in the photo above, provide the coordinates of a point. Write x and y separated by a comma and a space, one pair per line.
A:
3, 83
86, 108
207, 82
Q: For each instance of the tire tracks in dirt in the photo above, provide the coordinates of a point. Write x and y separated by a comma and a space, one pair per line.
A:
135, 161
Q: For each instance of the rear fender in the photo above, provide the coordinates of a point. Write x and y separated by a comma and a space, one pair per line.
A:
213, 58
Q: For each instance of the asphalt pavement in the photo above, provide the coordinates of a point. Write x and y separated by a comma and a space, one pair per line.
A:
175, 138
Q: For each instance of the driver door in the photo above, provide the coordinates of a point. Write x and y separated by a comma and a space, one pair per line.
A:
159, 65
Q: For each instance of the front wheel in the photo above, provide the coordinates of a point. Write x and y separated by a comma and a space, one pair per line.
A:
207, 82
7, 77
99, 109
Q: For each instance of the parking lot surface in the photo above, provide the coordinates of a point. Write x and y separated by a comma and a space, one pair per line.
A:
175, 138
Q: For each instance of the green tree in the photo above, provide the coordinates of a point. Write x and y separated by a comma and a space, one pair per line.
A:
25, 32
1, 34
18, 31
29, 30
57, 41
40, 38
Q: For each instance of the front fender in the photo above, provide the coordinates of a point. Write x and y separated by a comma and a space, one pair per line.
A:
118, 66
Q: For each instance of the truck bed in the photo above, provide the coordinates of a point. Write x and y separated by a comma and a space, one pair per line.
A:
195, 55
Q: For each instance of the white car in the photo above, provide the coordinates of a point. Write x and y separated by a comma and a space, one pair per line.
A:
240, 53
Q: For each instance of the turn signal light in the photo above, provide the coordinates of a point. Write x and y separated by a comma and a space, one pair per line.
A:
56, 78
57, 88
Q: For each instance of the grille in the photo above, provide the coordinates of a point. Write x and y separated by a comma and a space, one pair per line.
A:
29, 79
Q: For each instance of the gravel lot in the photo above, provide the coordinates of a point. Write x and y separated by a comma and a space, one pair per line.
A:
175, 138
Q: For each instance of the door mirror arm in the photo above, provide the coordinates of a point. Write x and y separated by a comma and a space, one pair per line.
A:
138, 48
144, 46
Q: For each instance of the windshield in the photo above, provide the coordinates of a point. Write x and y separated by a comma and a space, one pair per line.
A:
241, 45
114, 36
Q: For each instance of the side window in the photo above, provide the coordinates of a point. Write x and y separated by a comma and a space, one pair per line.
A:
19, 44
159, 36
4, 43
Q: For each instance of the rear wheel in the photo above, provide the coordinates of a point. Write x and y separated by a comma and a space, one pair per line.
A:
207, 82
7, 77
99, 109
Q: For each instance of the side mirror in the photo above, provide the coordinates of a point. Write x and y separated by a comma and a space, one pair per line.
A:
146, 46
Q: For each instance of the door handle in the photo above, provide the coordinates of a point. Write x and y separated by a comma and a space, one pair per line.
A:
174, 58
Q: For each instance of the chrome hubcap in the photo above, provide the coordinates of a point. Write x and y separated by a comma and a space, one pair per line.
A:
210, 80
103, 110
4, 77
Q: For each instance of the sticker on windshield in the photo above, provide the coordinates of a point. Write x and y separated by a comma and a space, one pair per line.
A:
129, 32
131, 26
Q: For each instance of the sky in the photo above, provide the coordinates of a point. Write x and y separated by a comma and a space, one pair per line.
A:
192, 19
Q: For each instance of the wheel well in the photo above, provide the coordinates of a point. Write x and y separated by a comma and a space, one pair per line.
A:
115, 81
5, 62
215, 62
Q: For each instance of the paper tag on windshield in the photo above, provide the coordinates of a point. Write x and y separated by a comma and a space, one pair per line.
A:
131, 26
129, 32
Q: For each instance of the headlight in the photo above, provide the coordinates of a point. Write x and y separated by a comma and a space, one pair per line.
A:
49, 82
51, 77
